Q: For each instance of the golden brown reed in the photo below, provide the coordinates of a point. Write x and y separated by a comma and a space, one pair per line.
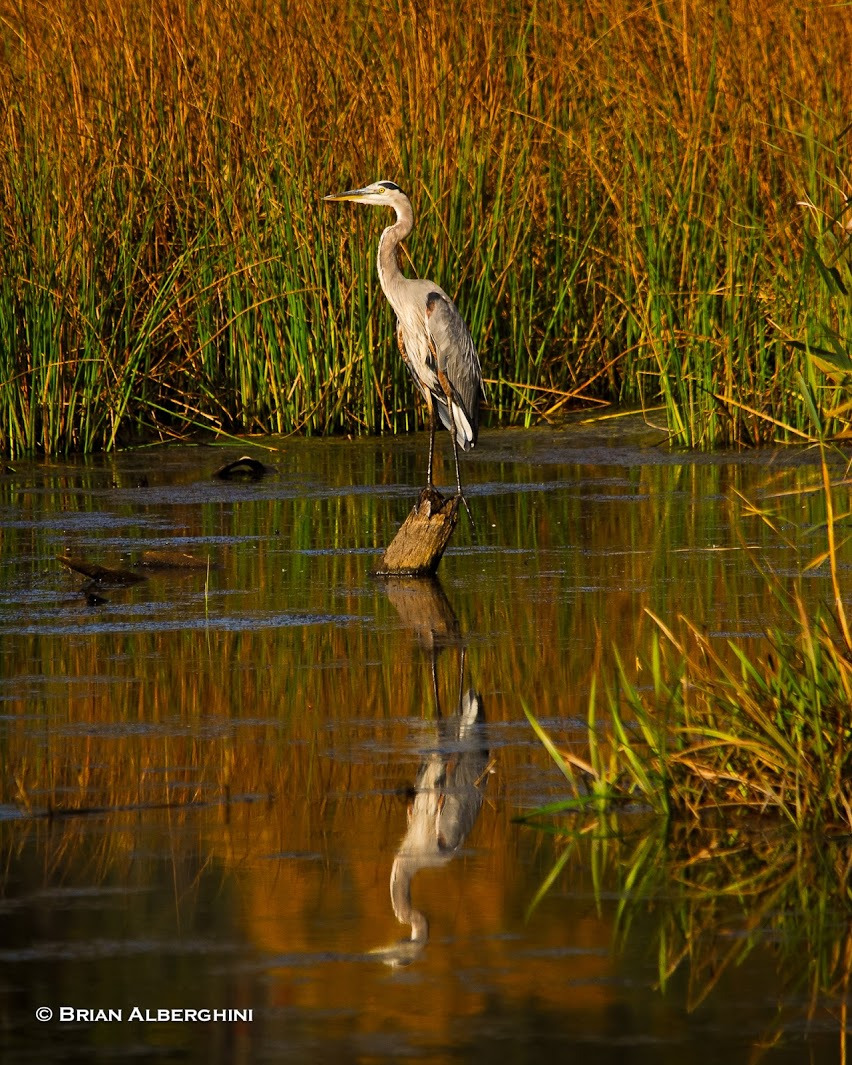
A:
611, 190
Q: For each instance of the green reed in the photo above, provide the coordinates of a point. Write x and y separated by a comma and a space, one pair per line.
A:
767, 736
709, 729
609, 192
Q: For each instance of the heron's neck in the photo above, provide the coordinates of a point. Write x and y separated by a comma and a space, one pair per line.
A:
391, 278
400, 886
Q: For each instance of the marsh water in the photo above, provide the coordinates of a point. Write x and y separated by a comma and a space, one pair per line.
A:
273, 783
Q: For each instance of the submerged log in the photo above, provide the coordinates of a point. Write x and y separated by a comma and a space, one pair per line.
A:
417, 548
100, 573
173, 560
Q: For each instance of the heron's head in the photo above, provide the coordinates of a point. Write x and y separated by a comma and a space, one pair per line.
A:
380, 193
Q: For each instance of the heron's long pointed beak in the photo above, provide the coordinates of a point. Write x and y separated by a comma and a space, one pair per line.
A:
352, 194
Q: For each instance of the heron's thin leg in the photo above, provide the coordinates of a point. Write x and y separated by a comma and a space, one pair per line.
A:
461, 681
435, 682
429, 482
456, 458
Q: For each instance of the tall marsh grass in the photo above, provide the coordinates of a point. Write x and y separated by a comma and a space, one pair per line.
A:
638, 205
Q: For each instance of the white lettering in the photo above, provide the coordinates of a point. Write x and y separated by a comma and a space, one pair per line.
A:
160, 1015
105, 1015
87, 1015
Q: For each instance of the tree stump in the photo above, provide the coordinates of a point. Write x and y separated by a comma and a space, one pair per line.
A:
417, 548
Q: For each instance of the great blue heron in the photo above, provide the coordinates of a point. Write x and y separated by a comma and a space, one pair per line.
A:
433, 339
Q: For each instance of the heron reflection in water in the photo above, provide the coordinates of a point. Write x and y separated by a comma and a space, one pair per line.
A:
434, 341
447, 800
448, 789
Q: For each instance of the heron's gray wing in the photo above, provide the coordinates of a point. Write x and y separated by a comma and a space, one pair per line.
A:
456, 357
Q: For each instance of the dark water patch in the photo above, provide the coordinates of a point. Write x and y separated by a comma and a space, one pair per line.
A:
94, 949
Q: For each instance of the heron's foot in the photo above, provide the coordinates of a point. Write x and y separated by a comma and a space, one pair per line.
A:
460, 495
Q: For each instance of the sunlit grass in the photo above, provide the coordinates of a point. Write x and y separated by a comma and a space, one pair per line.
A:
769, 737
626, 206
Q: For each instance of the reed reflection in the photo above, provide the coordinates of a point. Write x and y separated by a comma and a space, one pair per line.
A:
447, 793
